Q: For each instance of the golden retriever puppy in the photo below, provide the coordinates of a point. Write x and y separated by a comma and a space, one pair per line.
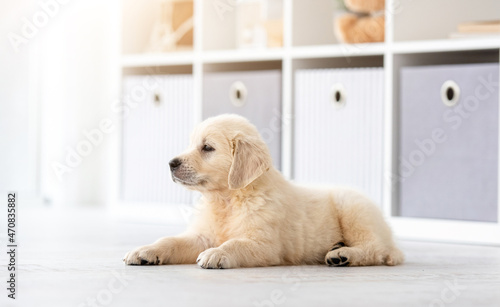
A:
251, 216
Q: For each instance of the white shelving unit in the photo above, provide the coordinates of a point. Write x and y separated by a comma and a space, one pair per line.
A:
416, 34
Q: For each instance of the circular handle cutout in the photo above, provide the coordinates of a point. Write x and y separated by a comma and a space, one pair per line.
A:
338, 96
157, 99
450, 93
238, 94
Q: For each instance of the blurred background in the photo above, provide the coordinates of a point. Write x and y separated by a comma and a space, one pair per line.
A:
396, 98
60, 76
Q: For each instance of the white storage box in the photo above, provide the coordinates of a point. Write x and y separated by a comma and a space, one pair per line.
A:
155, 129
338, 128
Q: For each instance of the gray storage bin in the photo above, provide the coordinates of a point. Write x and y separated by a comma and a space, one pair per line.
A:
448, 157
255, 95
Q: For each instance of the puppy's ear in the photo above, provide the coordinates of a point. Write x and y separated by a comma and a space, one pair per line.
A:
251, 159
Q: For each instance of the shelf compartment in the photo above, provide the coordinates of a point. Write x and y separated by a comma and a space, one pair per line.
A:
318, 32
428, 20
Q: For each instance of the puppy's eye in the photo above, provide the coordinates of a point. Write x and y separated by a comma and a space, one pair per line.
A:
207, 148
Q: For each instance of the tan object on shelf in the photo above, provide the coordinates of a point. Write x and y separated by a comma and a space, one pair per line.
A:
351, 29
365, 6
480, 27
364, 23
174, 29
274, 30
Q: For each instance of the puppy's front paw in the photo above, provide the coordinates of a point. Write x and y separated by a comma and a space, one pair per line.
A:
144, 255
214, 258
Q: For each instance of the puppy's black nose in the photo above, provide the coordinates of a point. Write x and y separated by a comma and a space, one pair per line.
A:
174, 163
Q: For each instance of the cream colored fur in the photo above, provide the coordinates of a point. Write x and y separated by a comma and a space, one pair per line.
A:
251, 216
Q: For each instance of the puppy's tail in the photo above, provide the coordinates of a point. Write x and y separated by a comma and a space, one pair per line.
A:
394, 257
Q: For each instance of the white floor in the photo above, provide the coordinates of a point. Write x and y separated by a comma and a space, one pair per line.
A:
73, 258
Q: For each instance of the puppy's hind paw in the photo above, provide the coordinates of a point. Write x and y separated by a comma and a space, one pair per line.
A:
341, 261
338, 255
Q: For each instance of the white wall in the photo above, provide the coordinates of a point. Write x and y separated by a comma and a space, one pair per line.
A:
18, 114
76, 66
79, 60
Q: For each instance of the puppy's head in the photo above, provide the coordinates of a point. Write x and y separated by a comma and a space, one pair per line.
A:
226, 153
